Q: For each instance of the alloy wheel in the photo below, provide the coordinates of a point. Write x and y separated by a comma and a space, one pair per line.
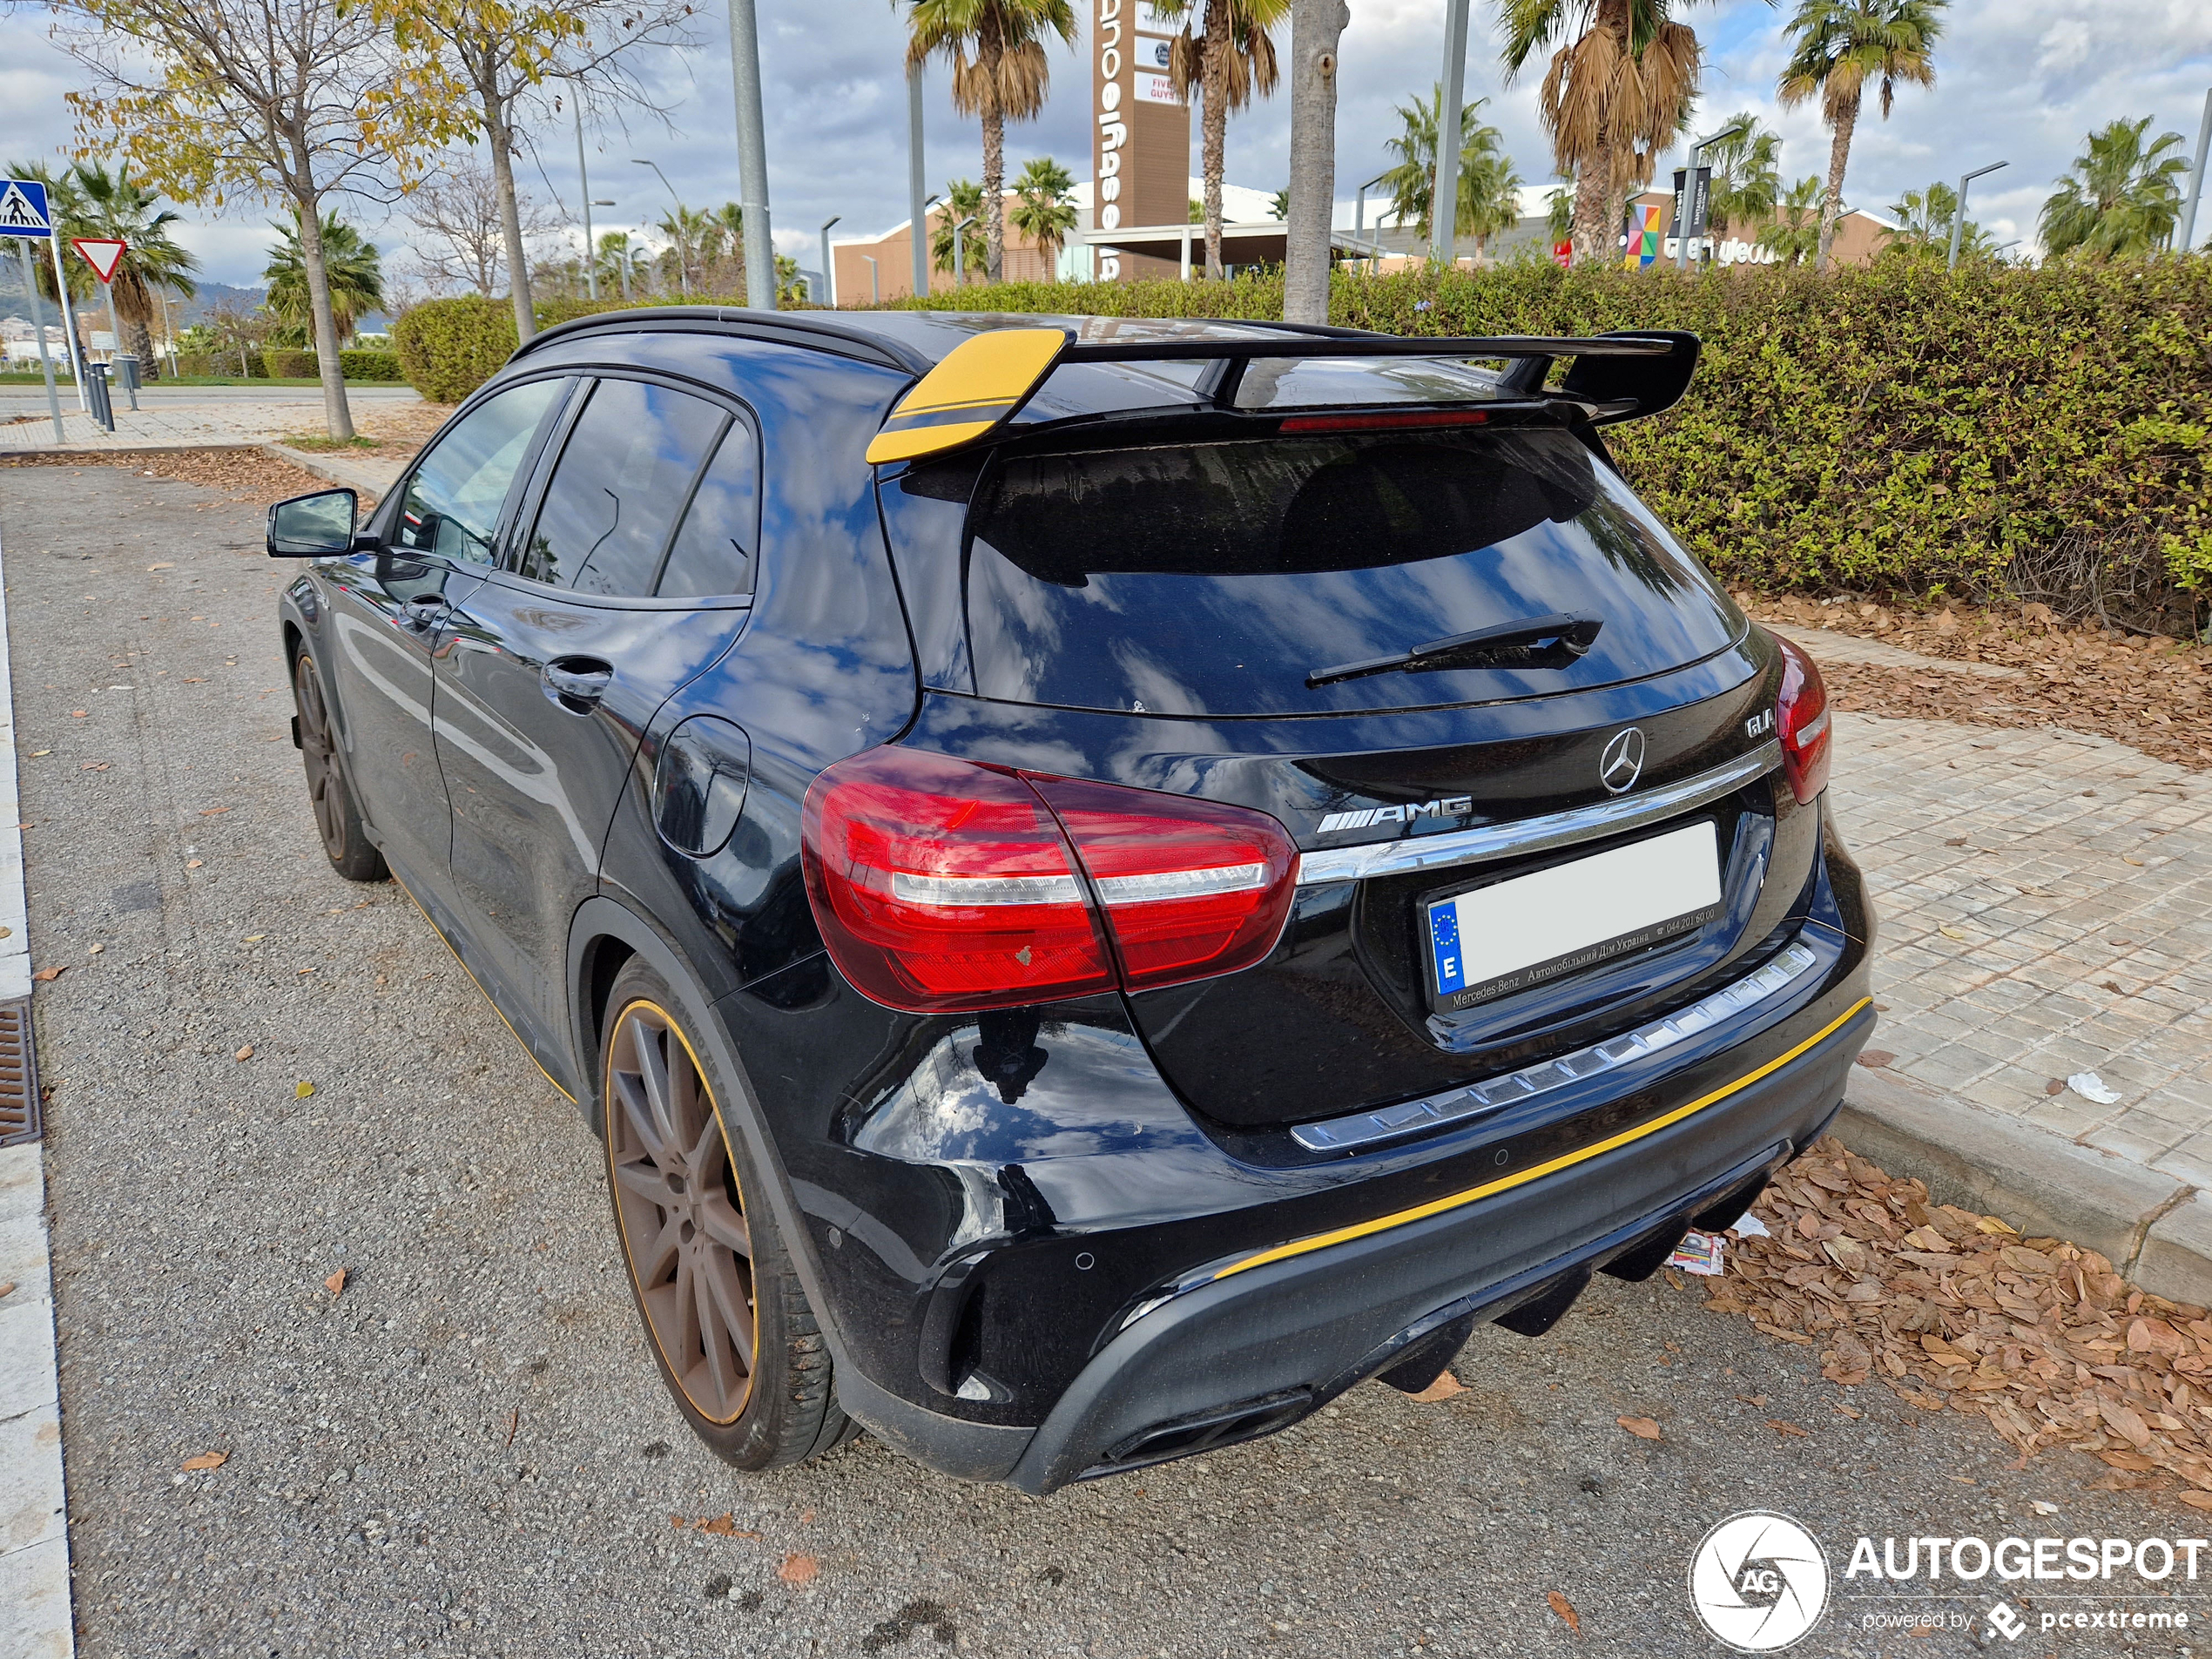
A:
318, 748
680, 1213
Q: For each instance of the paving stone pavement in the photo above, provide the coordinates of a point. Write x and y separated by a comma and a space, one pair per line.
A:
2044, 910
172, 418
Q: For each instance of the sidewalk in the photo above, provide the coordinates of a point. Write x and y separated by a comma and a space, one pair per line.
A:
173, 419
2044, 911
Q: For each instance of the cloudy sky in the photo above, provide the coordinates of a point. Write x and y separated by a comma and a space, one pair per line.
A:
2019, 81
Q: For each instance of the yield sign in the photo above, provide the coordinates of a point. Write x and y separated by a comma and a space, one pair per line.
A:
103, 253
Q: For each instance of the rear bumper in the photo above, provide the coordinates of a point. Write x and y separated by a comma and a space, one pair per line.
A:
1259, 1346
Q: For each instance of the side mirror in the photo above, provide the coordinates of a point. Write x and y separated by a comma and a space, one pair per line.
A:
313, 527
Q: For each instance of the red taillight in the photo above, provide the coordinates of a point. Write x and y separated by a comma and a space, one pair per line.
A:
1384, 420
944, 886
1191, 888
1801, 721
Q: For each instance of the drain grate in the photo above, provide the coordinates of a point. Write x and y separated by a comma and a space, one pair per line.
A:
20, 1119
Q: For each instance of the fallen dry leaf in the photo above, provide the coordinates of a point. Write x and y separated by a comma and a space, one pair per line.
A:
799, 1569
724, 1525
1642, 1427
247, 1053
1444, 1388
193, 864
1785, 1430
207, 1460
8, 1288
1565, 1608
45, 975
1952, 1310
1875, 1057
1851, 1411
336, 1282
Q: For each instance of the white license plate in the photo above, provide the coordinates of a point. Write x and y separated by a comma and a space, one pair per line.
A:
1497, 939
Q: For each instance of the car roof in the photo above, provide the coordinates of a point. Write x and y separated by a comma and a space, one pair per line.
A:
915, 341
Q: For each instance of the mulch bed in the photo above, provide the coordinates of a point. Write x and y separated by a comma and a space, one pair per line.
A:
2153, 694
237, 475
1952, 1310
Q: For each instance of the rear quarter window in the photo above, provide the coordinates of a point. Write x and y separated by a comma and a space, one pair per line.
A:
1213, 578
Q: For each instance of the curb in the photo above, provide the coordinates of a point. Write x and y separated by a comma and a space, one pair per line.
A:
2156, 1229
353, 475
35, 1610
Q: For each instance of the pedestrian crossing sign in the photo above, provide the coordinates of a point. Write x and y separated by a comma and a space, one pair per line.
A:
23, 208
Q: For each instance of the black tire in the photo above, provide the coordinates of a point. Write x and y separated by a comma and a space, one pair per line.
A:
692, 1244
330, 792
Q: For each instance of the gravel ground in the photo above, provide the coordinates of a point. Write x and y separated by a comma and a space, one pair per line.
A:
465, 1450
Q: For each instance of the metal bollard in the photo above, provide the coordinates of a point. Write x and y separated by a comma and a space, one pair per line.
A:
95, 394
127, 376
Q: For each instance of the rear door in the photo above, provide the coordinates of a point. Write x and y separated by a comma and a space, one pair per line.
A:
558, 660
390, 610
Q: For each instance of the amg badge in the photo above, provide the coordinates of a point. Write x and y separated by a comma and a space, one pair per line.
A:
1405, 814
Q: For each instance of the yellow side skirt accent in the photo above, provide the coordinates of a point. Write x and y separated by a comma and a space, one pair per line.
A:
481, 991
1439, 1206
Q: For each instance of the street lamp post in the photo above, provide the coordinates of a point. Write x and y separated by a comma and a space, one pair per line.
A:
683, 255
2196, 176
918, 209
1444, 208
960, 250
1959, 212
752, 158
1359, 209
583, 178
1689, 191
829, 271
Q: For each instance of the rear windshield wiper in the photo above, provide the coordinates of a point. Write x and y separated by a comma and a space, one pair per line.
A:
1569, 634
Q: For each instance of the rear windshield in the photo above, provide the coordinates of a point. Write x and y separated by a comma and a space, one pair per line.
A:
1215, 579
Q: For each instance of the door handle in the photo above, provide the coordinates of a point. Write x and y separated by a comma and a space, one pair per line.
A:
425, 608
577, 682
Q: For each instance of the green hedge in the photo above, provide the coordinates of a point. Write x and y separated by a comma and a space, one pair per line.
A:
283, 363
446, 348
1896, 429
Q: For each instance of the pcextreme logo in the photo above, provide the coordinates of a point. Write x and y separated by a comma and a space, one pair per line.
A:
1759, 1582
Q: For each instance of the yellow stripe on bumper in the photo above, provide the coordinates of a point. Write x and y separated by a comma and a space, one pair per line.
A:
1488, 1189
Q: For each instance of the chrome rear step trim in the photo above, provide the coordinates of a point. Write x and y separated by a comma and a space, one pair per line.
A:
1364, 1129
1537, 834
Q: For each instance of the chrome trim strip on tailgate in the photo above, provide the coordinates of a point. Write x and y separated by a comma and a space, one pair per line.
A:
1363, 1128
1537, 834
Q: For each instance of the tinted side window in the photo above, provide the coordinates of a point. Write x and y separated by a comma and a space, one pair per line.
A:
453, 501
714, 548
622, 478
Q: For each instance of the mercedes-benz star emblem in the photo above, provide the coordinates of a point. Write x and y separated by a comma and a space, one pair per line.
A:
1621, 764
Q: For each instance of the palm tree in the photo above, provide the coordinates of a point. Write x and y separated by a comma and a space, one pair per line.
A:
1924, 227
963, 200
1841, 46
1618, 90
687, 230
1043, 208
1489, 188
356, 272
618, 259
996, 48
1747, 175
721, 248
2121, 199
1228, 65
1794, 236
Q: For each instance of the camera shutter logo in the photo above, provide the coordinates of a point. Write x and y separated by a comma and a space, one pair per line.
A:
1622, 763
1759, 1582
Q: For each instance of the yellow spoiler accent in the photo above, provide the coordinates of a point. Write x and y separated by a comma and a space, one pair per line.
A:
981, 382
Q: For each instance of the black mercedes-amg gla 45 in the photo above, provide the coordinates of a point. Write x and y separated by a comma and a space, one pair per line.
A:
1101, 882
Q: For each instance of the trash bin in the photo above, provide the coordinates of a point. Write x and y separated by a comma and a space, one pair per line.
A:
127, 376
95, 394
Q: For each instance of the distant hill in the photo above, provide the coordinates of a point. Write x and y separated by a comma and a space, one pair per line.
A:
185, 312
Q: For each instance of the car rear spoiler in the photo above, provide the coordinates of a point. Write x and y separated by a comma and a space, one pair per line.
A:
983, 383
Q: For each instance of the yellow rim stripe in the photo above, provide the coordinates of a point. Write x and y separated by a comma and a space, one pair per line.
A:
481, 991
1439, 1206
1000, 368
